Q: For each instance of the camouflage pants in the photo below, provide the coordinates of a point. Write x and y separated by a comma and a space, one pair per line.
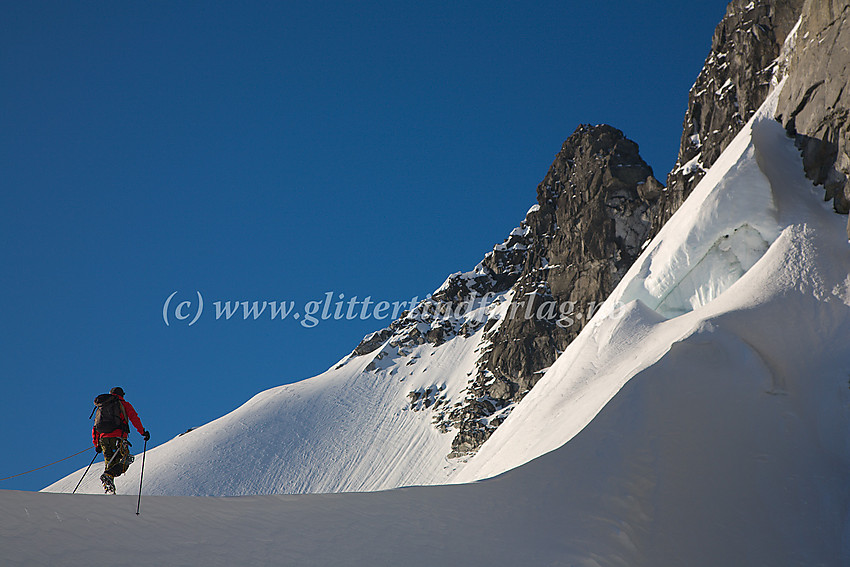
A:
116, 455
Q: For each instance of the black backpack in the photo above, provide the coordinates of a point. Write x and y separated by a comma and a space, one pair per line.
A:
108, 412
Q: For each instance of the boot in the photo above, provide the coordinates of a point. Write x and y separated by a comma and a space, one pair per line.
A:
108, 483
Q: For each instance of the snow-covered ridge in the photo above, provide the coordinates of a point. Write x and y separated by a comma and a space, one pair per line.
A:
719, 233
383, 416
717, 437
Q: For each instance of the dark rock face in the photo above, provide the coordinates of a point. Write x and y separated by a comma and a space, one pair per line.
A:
731, 86
814, 105
591, 219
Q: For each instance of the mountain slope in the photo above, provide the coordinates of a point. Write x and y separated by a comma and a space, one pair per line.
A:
698, 460
413, 401
727, 423
356, 427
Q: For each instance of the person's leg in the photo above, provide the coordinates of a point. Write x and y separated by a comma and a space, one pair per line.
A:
109, 446
112, 455
124, 457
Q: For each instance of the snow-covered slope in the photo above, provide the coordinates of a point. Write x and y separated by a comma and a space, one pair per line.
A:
366, 424
698, 460
729, 449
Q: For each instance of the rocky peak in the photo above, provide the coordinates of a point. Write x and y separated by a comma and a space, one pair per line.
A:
814, 105
589, 224
587, 228
746, 56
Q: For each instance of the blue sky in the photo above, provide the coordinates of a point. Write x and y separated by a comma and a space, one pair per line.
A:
277, 151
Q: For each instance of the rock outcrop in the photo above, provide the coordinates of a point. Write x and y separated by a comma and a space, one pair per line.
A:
814, 104
733, 83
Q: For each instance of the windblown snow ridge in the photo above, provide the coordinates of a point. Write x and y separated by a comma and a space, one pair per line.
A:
719, 233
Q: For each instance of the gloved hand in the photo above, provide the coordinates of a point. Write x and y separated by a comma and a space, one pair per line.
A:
147, 435
97, 448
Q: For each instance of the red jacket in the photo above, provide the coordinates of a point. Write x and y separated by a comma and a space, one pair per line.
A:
120, 432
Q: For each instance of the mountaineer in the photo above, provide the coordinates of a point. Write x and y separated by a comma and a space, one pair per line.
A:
109, 433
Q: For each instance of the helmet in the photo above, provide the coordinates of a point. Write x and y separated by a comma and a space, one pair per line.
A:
117, 391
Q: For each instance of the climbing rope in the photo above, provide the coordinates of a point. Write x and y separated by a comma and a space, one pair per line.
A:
45, 466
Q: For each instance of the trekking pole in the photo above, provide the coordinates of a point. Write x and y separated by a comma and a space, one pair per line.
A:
141, 476
85, 473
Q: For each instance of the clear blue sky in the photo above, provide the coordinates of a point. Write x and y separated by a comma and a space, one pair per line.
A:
277, 151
